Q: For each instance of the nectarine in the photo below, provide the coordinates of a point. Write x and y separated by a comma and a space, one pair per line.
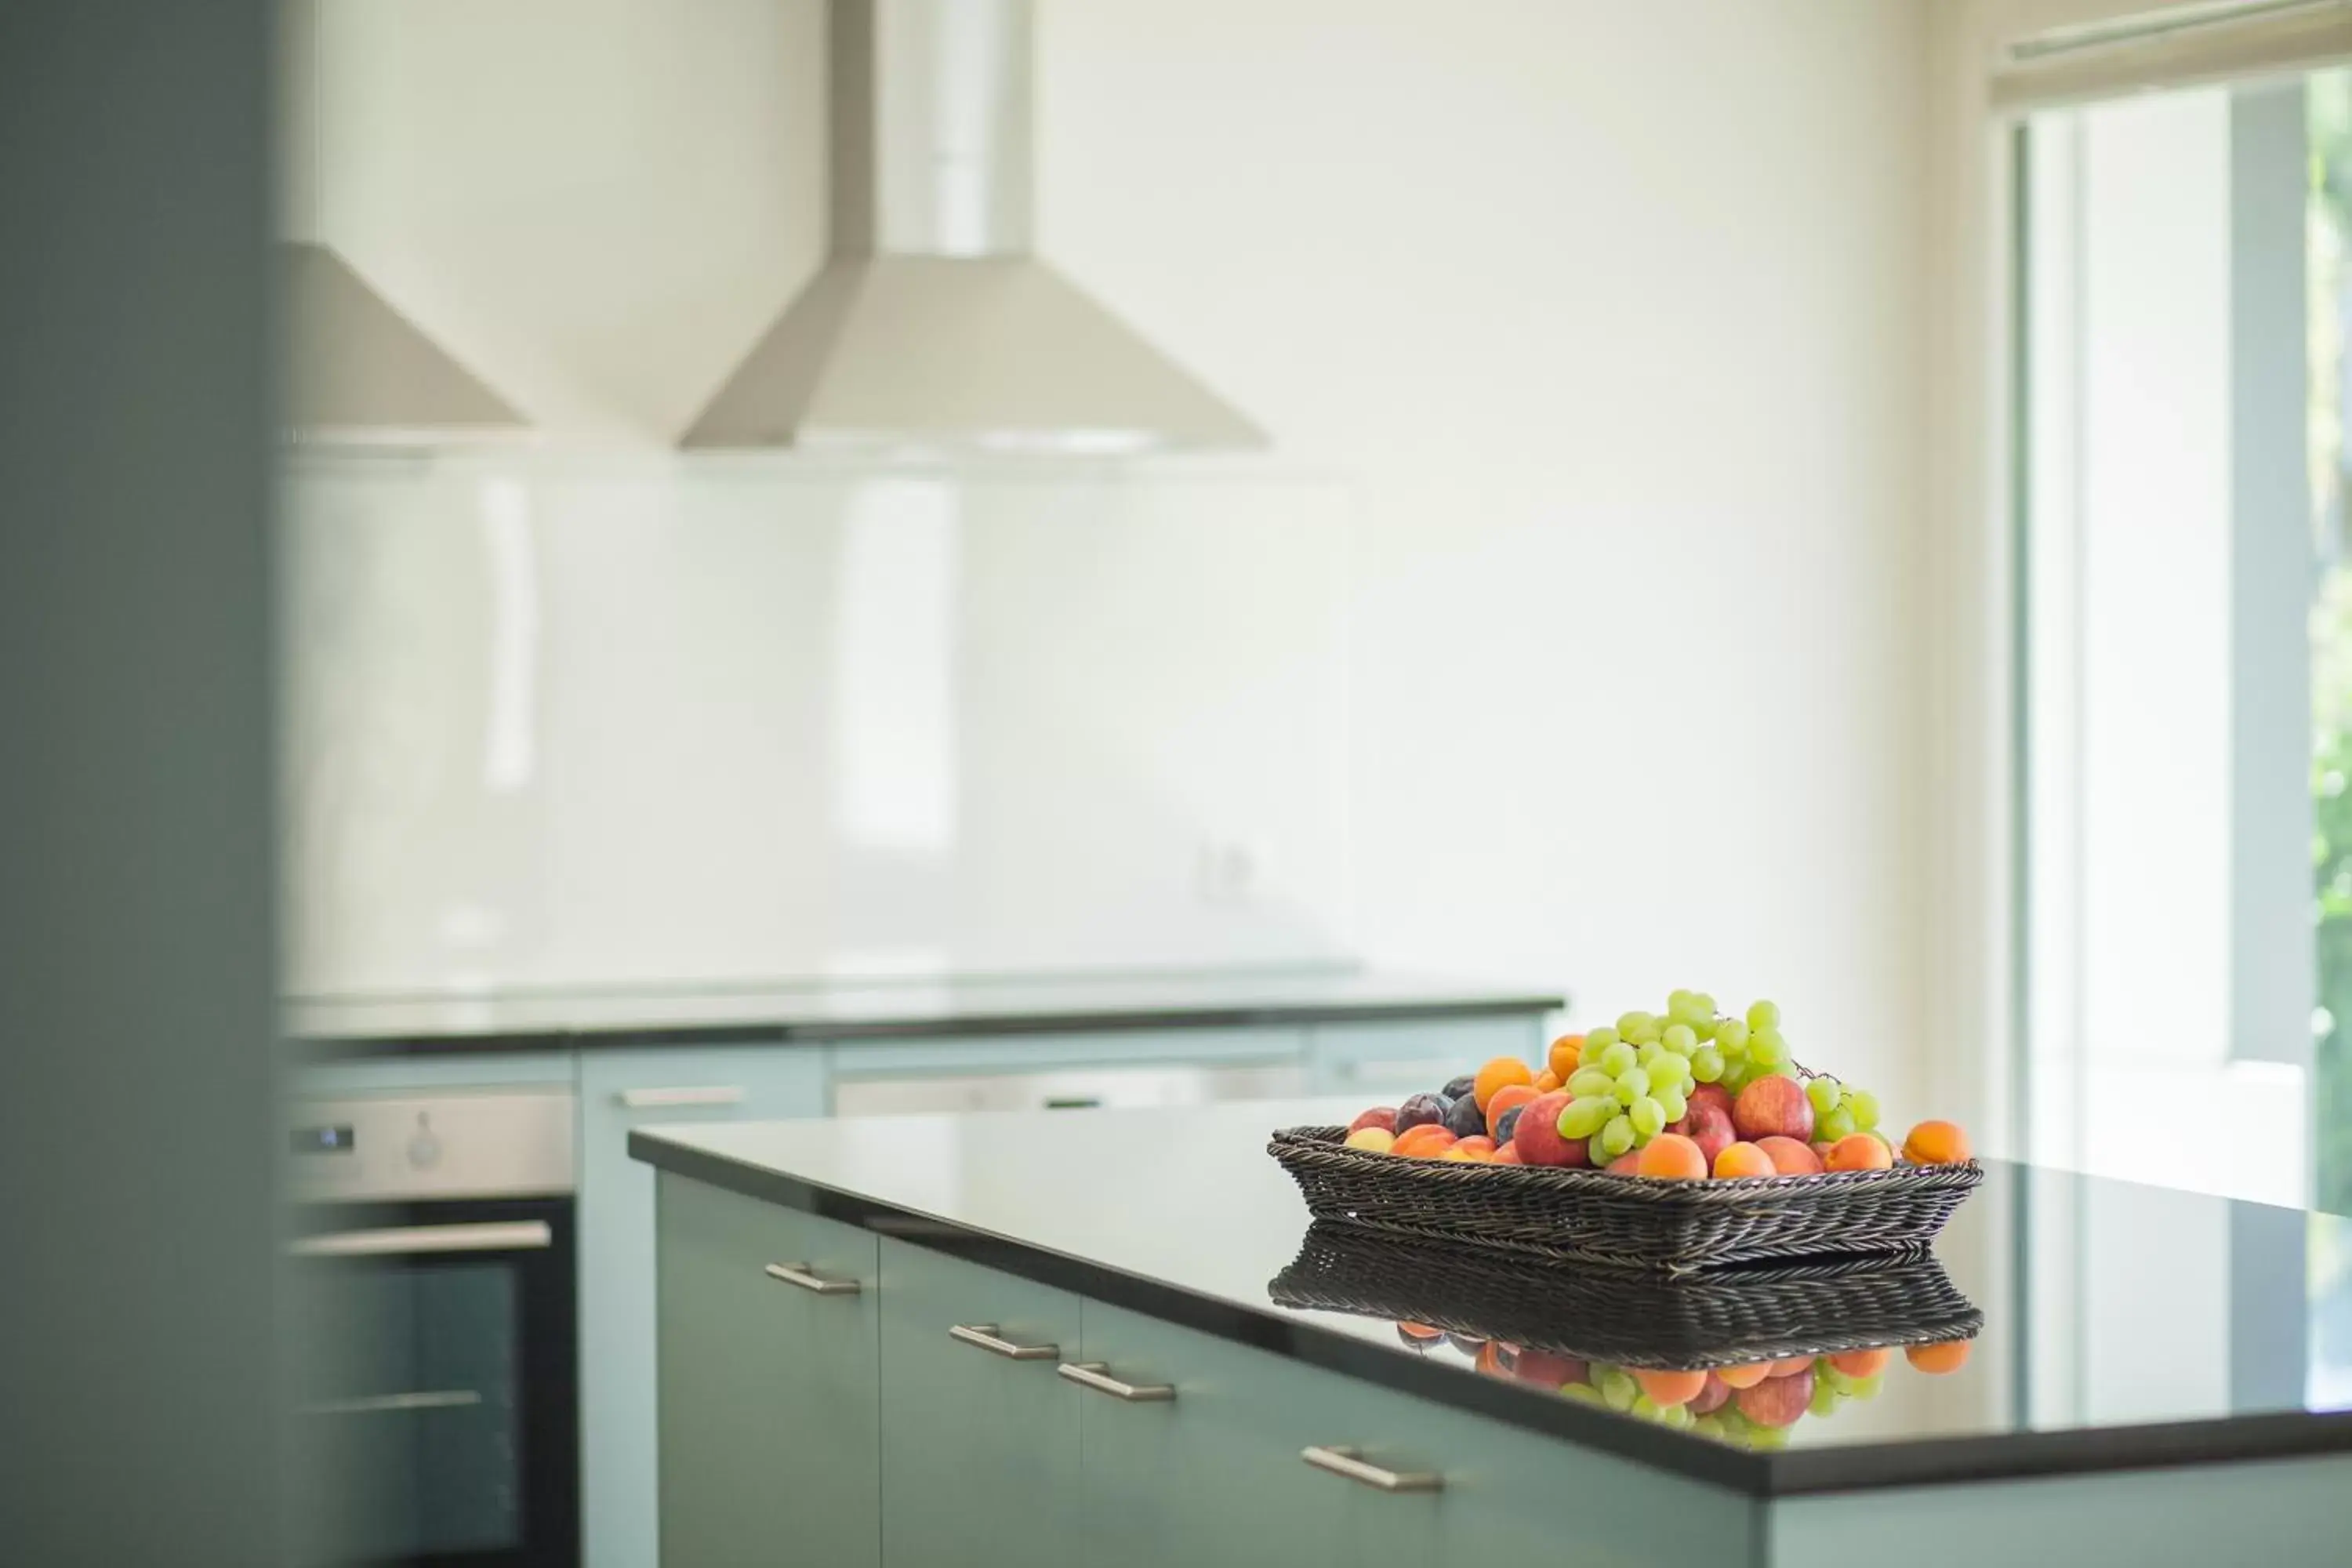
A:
1536, 1134
1380, 1116
1778, 1401
1789, 1157
1371, 1139
1504, 1099
1508, 1155
1425, 1142
1746, 1375
1629, 1163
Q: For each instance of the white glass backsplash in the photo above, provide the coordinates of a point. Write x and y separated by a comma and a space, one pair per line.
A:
597, 721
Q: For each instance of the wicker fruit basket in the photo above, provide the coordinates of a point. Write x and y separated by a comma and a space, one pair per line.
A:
1624, 1222
1725, 1318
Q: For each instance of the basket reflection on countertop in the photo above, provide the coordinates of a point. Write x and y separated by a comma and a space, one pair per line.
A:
1721, 1318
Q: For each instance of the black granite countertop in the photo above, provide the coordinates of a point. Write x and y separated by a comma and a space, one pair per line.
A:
909, 1009
2108, 1325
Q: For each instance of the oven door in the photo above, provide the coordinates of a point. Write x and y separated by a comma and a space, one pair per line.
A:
436, 1396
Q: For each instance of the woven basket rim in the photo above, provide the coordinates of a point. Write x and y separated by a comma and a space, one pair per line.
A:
1326, 1146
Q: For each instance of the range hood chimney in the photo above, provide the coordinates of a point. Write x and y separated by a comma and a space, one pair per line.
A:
930, 323
360, 371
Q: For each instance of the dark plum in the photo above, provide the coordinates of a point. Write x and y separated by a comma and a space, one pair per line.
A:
1508, 1124
1420, 1110
1460, 1086
1464, 1120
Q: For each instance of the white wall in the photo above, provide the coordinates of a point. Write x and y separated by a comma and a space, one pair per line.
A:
1611, 313
1615, 313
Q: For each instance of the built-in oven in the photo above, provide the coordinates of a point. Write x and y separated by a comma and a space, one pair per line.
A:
435, 1377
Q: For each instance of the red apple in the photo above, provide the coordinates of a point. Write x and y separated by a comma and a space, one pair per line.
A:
1778, 1401
1713, 1094
1712, 1397
1708, 1125
1536, 1136
1380, 1116
1773, 1107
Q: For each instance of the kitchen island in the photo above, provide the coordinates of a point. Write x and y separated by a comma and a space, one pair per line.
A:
1112, 1336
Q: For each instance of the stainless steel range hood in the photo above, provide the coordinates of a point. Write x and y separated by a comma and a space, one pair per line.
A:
359, 370
931, 324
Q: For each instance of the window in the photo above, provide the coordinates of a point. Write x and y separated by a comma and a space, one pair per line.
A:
2185, 637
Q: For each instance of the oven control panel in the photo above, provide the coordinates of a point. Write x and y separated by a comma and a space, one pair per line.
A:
456, 1144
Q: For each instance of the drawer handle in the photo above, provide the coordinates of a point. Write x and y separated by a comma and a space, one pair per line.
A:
1093, 1375
1349, 1462
685, 1094
984, 1336
798, 1274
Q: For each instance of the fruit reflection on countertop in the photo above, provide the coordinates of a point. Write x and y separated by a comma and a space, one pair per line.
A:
1752, 1406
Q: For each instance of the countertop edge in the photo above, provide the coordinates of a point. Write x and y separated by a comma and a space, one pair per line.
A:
1761, 1477
823, 1032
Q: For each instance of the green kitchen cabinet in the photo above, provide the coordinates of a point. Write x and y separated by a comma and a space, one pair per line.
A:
770, 1370
1251, 1456
979, 1439
620, 1089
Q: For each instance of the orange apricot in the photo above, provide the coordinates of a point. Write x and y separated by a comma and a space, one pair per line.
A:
1496, 1074
1859, 1152
1666, 1388
1565, 1053
1791, 1365
1743, 1160
1425, 1142
1476, 1145
1674, 1158
1862, 1363
1746, 1376
1935, 1143
1548, 1080
1510, 1095
1938, 1359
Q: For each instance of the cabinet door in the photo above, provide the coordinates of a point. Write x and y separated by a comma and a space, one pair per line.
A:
771, 1383
620, 1089
980, 1441
1214, 1474
1385, 1062
1222, 1472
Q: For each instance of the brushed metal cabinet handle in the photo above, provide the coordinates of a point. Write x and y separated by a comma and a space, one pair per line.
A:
1096, 1375
404, 1240
691, 1094
394, 1404
1349, 1462
984, 1335
798, 1274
